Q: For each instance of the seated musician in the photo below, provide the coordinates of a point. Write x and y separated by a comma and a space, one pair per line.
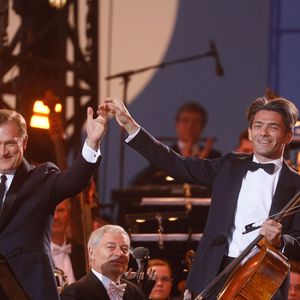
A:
163, 285
190, 122
67, 255
294, 287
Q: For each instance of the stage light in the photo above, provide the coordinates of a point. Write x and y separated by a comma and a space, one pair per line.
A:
58, 4
41, 111
58, 107
140, 220
169, 178
40, 108
40, 115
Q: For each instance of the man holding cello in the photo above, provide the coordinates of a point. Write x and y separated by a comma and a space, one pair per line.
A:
246, 188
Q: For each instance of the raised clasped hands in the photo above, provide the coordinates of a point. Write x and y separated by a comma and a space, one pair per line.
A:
95, 127
114, 107
272, 231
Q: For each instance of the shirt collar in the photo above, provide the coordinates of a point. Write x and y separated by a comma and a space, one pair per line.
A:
105, 280
195, 147
277, 162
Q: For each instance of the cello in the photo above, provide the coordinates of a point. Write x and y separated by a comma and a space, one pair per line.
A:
258, 272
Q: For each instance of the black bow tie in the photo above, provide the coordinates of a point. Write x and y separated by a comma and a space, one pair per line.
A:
269, 168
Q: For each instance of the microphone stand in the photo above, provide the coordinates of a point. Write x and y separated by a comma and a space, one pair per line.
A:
126, 78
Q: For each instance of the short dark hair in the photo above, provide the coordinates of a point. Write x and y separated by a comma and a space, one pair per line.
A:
284, 107
195, 107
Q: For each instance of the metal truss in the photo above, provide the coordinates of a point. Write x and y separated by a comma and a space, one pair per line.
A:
37, 57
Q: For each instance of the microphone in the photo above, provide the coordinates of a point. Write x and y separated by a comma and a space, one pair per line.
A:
141, 255
145, 282
215, 53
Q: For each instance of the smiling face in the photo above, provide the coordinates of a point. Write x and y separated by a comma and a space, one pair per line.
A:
12, 146
111, 255
269, 135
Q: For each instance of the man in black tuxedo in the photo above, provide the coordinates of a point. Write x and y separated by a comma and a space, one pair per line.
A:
30, 197
242, 191
108, 249
190, 122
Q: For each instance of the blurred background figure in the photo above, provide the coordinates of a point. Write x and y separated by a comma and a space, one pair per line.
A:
163, 286
68, 255
294, 288
190, 122
245, 145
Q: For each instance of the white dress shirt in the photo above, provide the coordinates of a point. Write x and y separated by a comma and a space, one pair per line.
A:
106, 282
62, 260
253, 205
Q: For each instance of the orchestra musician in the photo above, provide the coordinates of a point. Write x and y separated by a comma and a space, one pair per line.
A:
245, 187
163, 284
67, 254
190, 122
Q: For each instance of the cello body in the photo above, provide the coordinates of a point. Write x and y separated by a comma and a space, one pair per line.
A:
258, 277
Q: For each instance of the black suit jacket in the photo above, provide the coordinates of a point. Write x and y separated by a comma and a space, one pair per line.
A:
224, 177
90, 287
153, 175
26, 221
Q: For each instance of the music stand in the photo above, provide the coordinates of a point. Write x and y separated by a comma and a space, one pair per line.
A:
10, 287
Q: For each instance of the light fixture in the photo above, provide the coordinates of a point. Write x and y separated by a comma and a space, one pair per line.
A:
169, 178
41, 112
58, 4
140, 220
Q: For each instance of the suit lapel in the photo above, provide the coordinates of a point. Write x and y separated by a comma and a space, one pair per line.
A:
128, 294
237, 173
11, 196
285, 190
96, 286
